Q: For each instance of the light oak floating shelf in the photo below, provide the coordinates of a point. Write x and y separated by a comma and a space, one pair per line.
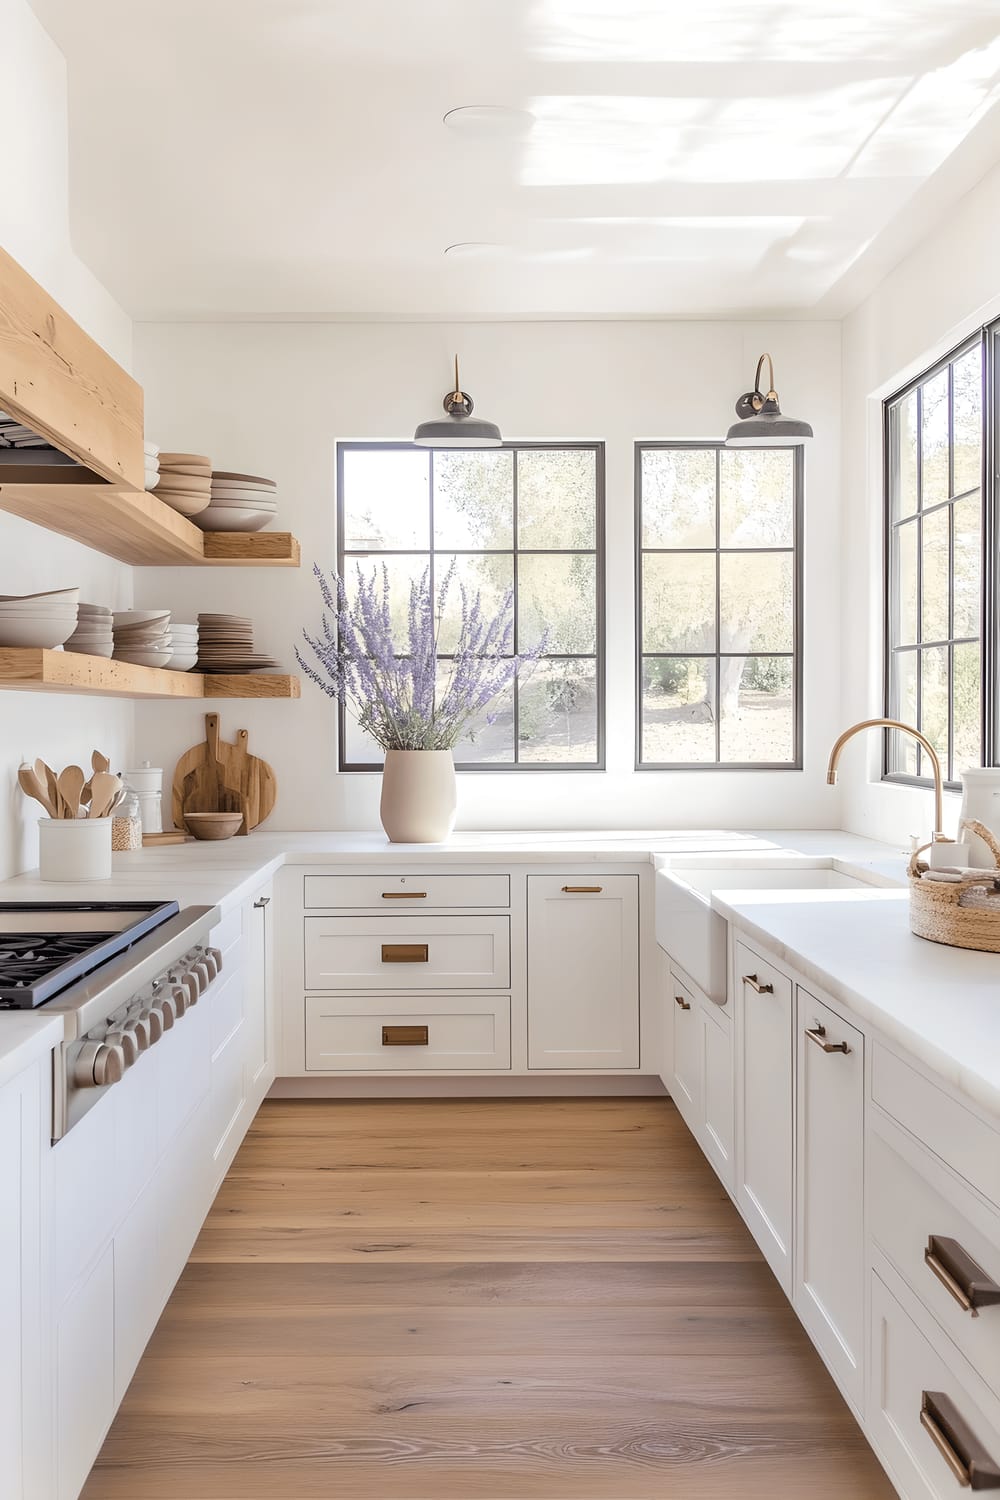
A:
140, 529
25, 669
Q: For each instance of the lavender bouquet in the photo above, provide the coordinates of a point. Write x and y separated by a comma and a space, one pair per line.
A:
397, 696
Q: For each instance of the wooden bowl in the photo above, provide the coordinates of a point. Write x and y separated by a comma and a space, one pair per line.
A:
213, 825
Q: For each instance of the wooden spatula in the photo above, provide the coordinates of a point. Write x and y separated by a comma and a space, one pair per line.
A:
104, 788
70, 785
47, 777
99, 762
32, 787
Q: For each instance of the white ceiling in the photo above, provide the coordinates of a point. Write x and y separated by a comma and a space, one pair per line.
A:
687, 157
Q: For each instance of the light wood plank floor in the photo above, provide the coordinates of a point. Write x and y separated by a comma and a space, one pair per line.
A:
534, 1300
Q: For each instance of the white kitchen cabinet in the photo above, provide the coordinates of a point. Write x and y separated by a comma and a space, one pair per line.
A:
259, 989
764, 1104
25, 1110
829, 1240
583, 971
717, 1089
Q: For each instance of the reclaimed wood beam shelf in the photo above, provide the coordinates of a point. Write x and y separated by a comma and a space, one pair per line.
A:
27, 669
140, 529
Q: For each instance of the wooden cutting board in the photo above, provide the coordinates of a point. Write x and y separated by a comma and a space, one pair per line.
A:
219, 777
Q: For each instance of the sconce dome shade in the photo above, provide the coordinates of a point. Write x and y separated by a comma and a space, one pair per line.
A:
768, 430
458, 432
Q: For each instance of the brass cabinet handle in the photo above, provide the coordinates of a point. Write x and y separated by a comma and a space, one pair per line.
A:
954, 1439
405, 1036
404, 953
684, 1004
961, 1276
817, 1034
404, 895
755, 984
582, 890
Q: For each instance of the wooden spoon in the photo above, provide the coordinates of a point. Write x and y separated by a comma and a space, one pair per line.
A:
104, 790
70, 784
99, 762
47, 777
32, 787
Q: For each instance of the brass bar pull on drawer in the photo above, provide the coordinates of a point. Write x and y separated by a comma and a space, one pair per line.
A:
956, 1442
404, 953
405, 1036
404, 895
961, 1276
684, 1004
582, 890
755, 984
817, 1034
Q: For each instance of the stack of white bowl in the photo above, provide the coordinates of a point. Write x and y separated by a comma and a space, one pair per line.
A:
239, 502
93, 635
151, 461
184, 639
39, 620
142, 637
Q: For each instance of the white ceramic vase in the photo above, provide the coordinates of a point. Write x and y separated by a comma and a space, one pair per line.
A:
981, 803
419, 798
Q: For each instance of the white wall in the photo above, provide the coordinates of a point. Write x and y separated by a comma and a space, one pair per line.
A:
946, 287
274, 399
34, 228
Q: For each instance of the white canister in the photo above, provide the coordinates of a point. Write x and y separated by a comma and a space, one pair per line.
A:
74, 848
981, 803
147, 783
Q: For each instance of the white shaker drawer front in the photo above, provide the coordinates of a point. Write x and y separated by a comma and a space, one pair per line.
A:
968, 1145
407, 953
950, 1258
935, 1436
407, 1034
386, 892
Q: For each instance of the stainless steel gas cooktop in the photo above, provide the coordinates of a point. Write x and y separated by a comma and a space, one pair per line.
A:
45, 947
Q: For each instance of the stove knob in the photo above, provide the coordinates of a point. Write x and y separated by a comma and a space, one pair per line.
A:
190, 985
210, 961
151, 1013
165, 1007
97, 1064
202, 974
179, 999
136, 1023
125, 1041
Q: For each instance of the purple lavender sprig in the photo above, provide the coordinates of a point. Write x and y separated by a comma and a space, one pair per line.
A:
396, 696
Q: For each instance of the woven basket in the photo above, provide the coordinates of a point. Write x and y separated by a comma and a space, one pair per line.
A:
963, 914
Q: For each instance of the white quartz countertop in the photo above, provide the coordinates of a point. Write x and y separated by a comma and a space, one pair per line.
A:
941, 1004
25, 1035
223, 874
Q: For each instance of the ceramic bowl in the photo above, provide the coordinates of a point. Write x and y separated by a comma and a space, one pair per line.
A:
144, 658
218, 825
233, 518
139, 616
55, 596
89, 648
40, 633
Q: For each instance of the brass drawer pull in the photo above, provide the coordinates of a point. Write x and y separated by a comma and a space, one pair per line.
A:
956, 1442
755, 984
961, 1276
404, 895
817, 1034
582, 890
405, 1036
404, 953
684, 1004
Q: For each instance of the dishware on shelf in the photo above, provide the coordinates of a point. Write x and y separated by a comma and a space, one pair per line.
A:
210, 826
225, 644
185, 482
143, 637
94, 633
39, 620
239, 502
231, 518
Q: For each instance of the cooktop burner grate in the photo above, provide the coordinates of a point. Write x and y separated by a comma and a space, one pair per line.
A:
29, 956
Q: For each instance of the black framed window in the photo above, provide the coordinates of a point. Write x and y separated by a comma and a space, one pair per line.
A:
719, 602
527, 517
938, 644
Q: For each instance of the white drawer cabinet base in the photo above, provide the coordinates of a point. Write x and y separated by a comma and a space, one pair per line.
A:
407, 953
362, 1034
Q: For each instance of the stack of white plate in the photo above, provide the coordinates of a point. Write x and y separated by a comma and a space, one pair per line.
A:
93, 635
185, 482
239, 502
225, 644
142, 637
40, 620
184, 644
151, 461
